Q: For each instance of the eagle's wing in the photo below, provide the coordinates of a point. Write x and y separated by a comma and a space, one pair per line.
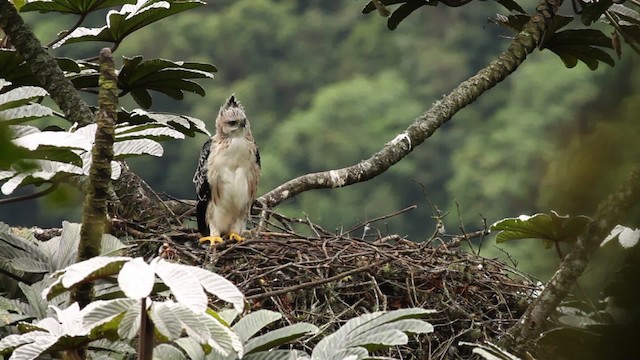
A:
203, 188
258, 156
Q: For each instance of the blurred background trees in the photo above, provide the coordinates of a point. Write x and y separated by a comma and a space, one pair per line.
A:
325, 86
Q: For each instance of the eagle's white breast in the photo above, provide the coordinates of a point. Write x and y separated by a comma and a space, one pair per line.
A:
230, 173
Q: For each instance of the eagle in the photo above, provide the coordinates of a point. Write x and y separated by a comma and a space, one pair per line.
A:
227, 176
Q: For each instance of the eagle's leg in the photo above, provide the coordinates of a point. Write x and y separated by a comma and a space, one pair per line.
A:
235, 236
212, 239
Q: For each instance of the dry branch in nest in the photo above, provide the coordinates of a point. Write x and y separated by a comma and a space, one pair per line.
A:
309, 274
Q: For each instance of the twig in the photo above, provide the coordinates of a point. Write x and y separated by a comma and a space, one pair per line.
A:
318, 282
30, 196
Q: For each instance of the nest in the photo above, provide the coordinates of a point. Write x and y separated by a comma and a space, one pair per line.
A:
309, 274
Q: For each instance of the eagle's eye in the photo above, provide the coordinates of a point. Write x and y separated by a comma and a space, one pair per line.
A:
232, 122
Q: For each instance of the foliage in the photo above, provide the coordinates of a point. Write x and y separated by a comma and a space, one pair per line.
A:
569, 45
119, 318
370, 332
551, 228
56, 154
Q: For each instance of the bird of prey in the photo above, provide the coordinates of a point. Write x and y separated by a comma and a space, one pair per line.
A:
227, 175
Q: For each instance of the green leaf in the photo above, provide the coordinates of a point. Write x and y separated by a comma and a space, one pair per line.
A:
402, 12
278, 355
184, 124
626, 14
57, 139
136, 279
72, 6
100, 312
149, 131
218, 286
111, 346
126, 148
165, 76
557, 23
374, 330
222, 339
165, 319
111, 245
371, 7
130, 323
33, 294
24, 113
551, 227
184, 286
573, 45
275, 338
20, 96
129, 19
166, 351
29, 265
192, 348
88, 270
592, 12
252, 323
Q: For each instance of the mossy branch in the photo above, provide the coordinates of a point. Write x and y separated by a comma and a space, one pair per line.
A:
94, 209
425, 125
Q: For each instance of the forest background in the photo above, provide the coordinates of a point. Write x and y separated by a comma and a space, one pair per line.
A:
325, 86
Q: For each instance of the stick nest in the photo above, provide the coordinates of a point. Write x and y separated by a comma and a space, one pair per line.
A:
309, 274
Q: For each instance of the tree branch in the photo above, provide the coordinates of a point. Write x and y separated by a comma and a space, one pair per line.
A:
610, 212
43, 66
94, 210
425, 125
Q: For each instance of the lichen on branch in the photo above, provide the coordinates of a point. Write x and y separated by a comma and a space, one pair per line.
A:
94, 209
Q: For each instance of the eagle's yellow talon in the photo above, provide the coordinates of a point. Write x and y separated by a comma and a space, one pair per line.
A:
236, 237
212, 239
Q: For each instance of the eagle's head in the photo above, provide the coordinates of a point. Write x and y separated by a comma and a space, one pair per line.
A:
232, 121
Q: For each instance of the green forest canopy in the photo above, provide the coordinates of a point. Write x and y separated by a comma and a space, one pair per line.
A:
325, 86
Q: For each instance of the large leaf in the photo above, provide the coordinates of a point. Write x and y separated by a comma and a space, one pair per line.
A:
58, 139
223, 341
192, 348
20, 96
88, 270
250, 324
14, 69
402, 12
184, 124
371, 331
130, 323
129, 19
127, 148
592, 11
582, 45
184, 286
218, 286
168, 77
549, 227
147, 131
275, 338
278, 355
102, 311
165, 319
166, 351
79, 7
136, 279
